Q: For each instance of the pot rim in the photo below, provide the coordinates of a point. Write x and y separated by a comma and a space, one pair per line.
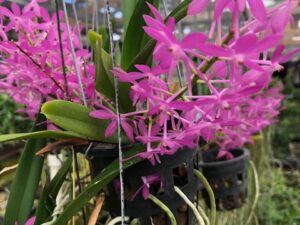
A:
245, 155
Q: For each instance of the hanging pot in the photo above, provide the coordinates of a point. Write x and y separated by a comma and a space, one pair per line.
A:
227, 178
294, 147
176, 169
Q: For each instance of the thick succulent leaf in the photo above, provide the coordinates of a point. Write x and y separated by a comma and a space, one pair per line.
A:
104, 78
105, 38
26, 180
128, 7
104, 82
47, 199
144, 54
39, 134
75, 118
98, 183
135, 35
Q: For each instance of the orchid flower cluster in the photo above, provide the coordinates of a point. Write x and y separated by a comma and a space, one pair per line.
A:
32, 69
236, 67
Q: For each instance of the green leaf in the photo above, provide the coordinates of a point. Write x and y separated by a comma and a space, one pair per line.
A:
104, 78
128, 7
47, 200
180, 11
143, 56
75, 118
105, 38
98, 183
135, 36
26, 180
40, 134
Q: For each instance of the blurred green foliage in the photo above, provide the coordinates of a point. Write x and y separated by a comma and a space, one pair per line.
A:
288, 126
10, 120
279, 201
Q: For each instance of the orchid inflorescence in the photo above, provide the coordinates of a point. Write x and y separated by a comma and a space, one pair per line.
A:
235, 67
30, 63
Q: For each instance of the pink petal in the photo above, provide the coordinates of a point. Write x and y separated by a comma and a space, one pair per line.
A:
288, 56
155, 12
15, 9
171, 24
219, 8
143, 68
102, 114
30, 221
220, 69
145, 191
277, 53
214, 50
5, 11
151, 22
128, 130
253, 65
267, 43
258, 10
156, 34
245, 43
281, 19
193, 40
197, 6
142, 127
45, 14
241, 4
111, 128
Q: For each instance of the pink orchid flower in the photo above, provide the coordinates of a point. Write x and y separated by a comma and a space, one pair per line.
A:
31, 221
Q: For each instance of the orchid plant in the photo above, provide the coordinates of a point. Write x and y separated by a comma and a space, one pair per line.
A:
161, 77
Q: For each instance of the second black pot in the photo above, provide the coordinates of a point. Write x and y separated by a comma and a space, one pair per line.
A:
227, 178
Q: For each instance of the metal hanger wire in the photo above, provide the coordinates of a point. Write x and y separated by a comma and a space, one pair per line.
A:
77, 69
110, 30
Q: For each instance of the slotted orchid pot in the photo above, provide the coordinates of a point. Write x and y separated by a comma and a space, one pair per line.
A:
145, 112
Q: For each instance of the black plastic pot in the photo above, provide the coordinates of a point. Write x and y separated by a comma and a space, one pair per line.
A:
228, 178
294, 147
101, 155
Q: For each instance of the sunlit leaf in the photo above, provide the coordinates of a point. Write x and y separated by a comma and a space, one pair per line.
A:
75, 118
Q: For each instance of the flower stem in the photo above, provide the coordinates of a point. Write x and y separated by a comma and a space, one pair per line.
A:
40, 67
205, 67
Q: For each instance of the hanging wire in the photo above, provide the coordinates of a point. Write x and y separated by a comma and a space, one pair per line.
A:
75, 161
96, 16
179, 74
77, 69
93, 16
86, 11
110, 31
77, 22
